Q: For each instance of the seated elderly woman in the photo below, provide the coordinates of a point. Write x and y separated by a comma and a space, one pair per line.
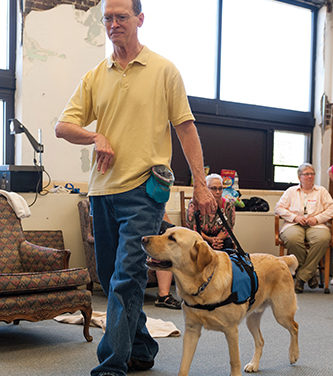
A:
306, 210
212, 229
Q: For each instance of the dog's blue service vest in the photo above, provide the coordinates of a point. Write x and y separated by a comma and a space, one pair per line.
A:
241, 280
244, 283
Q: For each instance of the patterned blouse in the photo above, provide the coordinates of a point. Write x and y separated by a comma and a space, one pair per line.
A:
211, 224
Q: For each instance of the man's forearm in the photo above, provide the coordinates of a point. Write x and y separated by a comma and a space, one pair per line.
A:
74, 133
189, 139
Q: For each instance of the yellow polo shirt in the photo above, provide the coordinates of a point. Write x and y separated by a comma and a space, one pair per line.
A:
133, 108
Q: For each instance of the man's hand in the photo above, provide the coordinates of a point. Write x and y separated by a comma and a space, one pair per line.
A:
311, 221
301, 220
104, 153
204, 200
75, 134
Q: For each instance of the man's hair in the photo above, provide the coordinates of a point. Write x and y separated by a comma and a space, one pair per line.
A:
136, 6
303, 166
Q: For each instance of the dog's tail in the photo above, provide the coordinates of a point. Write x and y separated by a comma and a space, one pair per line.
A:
291, 261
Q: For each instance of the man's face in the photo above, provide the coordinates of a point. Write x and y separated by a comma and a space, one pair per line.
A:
307, 178
120, 22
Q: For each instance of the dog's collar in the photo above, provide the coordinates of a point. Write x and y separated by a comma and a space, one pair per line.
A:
204, 285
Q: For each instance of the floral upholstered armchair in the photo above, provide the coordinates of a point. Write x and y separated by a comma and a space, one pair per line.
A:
35, 281
88, 244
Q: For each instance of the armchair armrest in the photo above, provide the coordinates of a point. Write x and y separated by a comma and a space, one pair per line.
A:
35, 258
46, 238
90, 239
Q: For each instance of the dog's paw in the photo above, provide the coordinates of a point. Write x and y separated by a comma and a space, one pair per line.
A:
251, 367
293, 356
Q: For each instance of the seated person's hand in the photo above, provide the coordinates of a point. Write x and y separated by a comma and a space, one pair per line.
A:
301, 220
217, 242
311, 221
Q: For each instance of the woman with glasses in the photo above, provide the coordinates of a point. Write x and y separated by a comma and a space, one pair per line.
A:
211, 227
306, 209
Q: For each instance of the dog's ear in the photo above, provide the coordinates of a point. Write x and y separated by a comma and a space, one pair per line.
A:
201, 254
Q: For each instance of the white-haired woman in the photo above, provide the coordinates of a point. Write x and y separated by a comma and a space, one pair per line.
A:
212, 229
306, 210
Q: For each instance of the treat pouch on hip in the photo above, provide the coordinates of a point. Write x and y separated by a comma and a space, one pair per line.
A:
159, 184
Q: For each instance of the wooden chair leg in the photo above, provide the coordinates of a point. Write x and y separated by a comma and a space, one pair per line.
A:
321, 269
86, 322
327, 270
281, 250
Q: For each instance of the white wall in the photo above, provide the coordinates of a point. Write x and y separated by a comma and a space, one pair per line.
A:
59, 46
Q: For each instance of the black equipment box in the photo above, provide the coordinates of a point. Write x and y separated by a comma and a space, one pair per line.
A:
21, 178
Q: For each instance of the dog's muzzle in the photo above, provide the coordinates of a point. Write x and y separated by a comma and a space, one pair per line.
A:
152, 262
144, 240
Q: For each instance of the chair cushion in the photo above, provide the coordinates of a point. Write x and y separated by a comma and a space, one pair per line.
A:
43, 306
20, 283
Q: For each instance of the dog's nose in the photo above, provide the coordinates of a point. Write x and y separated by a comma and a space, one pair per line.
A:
144, 240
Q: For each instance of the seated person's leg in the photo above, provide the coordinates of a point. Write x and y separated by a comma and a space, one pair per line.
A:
319, 239
293, 238
165, 298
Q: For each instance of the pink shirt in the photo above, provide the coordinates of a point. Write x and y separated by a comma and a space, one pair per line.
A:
318, 203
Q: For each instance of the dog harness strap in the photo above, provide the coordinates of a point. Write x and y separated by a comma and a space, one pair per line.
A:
232, 298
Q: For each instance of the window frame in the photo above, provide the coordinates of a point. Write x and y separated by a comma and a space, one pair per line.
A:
223, 113
8, 85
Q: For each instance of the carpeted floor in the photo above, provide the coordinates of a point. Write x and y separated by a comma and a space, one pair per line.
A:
50, 348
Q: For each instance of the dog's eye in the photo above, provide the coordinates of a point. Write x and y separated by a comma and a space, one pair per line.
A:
171, 237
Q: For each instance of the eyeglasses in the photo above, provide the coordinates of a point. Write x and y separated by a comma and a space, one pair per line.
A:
119, 18
215, 189
309, 174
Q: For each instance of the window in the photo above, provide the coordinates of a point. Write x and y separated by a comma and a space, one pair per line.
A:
190, 41
4, 34
266, 64
290, 151
248, 70
7, 77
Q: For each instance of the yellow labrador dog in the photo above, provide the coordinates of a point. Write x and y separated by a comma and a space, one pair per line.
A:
204, 277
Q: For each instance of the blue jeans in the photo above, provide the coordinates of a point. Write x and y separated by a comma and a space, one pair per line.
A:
119, 221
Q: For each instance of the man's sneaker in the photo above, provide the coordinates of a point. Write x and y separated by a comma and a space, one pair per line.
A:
299, 286
313, 282
167, 301
139, 365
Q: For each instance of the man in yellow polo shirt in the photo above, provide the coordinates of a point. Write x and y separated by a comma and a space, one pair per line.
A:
134, 96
